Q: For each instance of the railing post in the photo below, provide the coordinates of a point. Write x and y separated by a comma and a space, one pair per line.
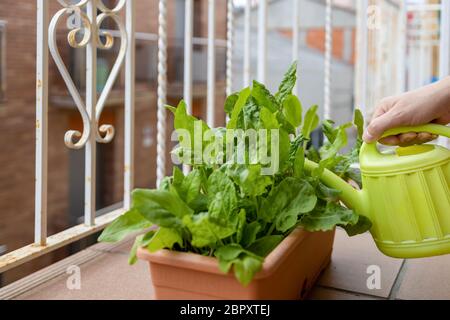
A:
296, 38
91, 101
130, 70
362, 52
262, 41
328, 56
188, 52
230, 46
402, 52
211, 86
444, 64
247, 29
40, 229
188, 35
162, 91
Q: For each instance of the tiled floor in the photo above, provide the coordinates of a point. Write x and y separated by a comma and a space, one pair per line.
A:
108, 276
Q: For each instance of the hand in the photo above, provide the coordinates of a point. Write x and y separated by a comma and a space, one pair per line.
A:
427, 104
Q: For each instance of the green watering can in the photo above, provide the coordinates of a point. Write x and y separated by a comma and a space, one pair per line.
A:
406, 195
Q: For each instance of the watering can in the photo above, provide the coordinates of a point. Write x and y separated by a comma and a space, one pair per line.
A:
406, 195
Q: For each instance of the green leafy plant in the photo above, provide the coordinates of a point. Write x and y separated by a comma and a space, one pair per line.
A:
232, 211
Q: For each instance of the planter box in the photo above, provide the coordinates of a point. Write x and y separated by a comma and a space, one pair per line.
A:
289, 272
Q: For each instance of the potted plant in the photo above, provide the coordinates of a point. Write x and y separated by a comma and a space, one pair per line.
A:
247, 221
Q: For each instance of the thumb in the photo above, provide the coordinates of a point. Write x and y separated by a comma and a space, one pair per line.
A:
380, 125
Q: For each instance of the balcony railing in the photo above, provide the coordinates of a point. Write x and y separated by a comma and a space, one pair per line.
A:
89, 37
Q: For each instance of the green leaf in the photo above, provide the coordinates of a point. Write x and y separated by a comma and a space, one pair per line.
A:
245, 263
285, 124
223, 206
263, 246
312, 154
164, 238
329, 131
190, 187
222, 199
130, 222
264, 97
286, 221
288, 83
172, 109
165, 184
160, 207
291, 197
299, 162
227, 255
140, 241
250, 115
230, 102
269, 119
363, 225
358, 120
249, 233
242, 221
178, 177
326, 193
292, 110
185, 124
218, 181
240, 103
206, 232
270, 122
246, 267
326, 163
311, 122
326, 219
330, 150
249, 179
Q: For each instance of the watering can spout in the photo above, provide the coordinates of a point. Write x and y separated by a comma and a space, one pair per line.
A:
351, 197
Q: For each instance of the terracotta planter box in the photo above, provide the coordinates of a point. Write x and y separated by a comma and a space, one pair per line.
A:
289, 272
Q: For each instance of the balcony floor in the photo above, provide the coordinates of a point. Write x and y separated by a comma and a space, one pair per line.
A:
105, 274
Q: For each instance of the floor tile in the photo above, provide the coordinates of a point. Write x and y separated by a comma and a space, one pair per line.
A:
427, 278
349, 266
321, 293
108, 277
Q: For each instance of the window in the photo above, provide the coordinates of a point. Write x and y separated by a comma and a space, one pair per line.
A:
2, 60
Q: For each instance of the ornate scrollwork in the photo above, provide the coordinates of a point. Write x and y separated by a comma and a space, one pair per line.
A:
89, 32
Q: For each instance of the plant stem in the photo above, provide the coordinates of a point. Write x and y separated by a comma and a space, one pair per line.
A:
255, 201
272, 227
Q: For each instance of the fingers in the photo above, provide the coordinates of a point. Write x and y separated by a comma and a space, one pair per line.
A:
379, 125
408, 139
424, 137
391, 141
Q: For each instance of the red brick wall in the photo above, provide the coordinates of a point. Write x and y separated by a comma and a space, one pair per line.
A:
315, 38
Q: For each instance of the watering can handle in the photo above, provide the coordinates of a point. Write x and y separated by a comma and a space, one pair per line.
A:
431, 128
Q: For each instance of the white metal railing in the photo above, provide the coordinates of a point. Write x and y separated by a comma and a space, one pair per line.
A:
92, 13
262, 41
410, 57
162, 92
328, 53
